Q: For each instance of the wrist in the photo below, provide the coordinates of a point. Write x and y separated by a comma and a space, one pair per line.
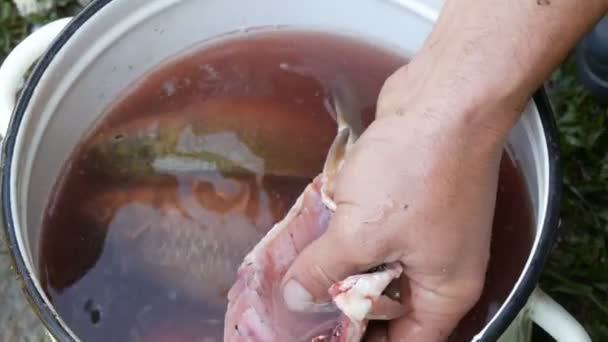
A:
491, 87
461, 100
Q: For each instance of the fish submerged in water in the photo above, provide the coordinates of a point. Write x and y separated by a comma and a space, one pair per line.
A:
236, 136
257, 311
191, 237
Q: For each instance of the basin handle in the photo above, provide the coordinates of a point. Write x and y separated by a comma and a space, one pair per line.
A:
19, 61
554, 319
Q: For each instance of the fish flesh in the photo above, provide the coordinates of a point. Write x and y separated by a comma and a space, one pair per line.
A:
257, 310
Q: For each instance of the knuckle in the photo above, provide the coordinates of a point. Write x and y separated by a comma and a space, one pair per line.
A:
471, 290
367, 249
359, 235
321, 276
392, 90
397, 78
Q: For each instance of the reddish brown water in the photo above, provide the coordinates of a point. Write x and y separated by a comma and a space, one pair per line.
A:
162, 200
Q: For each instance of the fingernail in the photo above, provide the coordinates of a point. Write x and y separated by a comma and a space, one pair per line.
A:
298, 299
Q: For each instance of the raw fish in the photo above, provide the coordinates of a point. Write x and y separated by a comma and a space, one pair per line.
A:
256, 310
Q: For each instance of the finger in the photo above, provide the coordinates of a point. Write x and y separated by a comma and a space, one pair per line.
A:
433, 316
361, 296
333, 257
422, 329
392, 95
386, 309
307, 282
377, 332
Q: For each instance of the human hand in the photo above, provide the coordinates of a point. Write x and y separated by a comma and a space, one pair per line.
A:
418, 188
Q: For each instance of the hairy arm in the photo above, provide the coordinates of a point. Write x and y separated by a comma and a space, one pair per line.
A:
491, 55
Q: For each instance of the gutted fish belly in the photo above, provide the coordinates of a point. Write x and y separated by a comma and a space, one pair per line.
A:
256, 310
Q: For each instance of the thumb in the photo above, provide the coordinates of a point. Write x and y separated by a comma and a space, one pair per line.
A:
334, 256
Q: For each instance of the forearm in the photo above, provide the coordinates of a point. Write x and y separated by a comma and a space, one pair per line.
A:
491, 55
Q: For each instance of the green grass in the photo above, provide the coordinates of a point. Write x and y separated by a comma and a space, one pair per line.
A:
13, 28
577, 274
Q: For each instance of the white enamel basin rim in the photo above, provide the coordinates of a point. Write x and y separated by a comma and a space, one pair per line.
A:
51, 116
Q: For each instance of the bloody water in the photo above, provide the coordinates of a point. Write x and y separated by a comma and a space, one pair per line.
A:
183, 175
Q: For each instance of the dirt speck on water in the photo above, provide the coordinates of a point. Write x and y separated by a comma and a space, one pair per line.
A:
18, 321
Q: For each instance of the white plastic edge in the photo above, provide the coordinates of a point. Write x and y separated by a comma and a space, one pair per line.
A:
554, 319
18, 62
